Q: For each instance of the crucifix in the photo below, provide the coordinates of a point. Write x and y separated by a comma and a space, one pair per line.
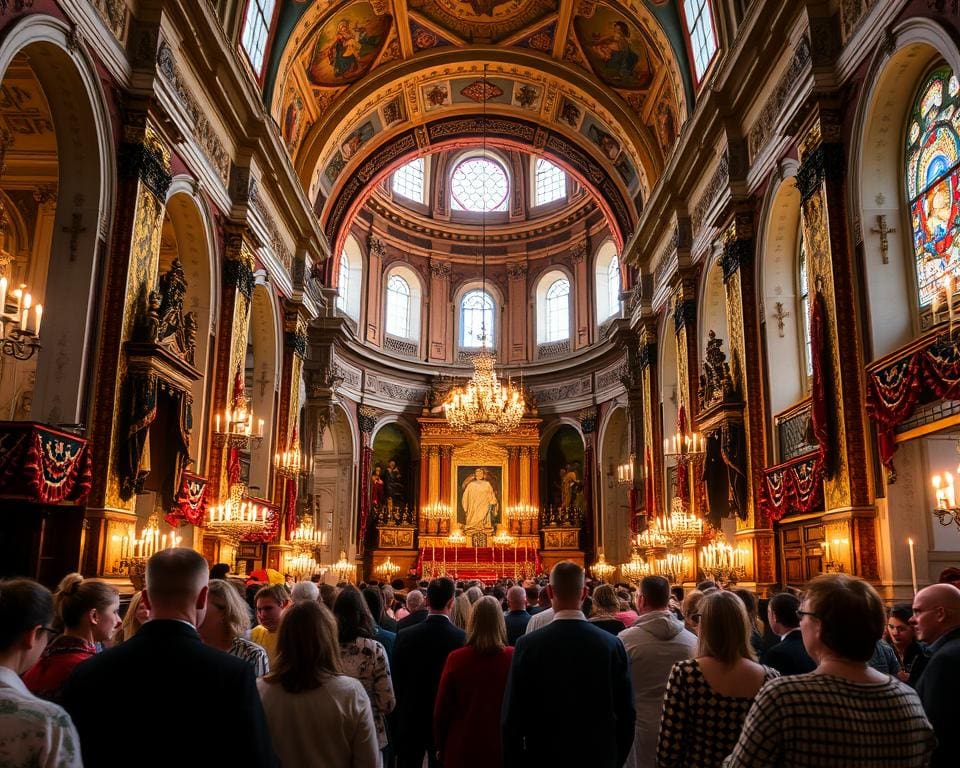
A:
74, 230
780, 316
883, 232
263, 380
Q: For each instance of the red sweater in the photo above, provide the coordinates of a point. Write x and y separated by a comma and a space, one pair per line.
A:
46, 678
468, 703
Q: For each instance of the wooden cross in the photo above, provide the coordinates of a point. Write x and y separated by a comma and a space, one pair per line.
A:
263, 381
780, 316
74, 230
883, 232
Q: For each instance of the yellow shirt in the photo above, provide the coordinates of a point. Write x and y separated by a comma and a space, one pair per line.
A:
267, 640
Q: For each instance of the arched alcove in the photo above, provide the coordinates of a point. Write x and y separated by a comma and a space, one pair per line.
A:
614, 502
713, 307
564, 468
669, 401
333, 485
262, 377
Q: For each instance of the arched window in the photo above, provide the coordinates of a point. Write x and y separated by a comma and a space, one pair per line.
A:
701, 33
803, 293
478, 184
350, 279
343, 280
408, 180
607, 281
550, 182
398, 307
256, 30
558, 310
476, 320
933, 185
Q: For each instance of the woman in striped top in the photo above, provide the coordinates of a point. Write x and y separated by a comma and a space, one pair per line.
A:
225, 623
843, 714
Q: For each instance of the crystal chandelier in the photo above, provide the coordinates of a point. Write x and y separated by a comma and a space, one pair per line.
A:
306, 538
237, 517
302, 566
484, 405
636, 569
601, 569
721, 562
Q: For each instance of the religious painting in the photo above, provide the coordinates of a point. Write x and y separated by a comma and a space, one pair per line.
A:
565, 469
933, 182
337, 164
526, 96
393, 111
666, 124
570, 113
616, 48
479, 497
436, 95
478, 21
293, 121
347, 45
391, 478
356, 139
608, 145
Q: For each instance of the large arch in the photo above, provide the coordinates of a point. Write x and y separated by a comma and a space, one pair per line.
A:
614, 441
334, 484
85, 194
262, 375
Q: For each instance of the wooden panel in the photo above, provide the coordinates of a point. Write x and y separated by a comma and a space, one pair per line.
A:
790, 535
801, 557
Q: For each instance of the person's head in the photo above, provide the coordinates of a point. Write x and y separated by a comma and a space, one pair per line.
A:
782, 612
533, 594
270, 601
516, 598
703, 586
26, 612
690, 608
439, 595
462, 607
227, 616
88, 607
474, 594
936, 611
371, 596
305, 590
654, 594
543, 597
388, 595
479, 473
415, 601
749, 601
724, 628
135, 617
842, 617
950, 576
328, 595
677, 592
177, 585
567, 588
486, 628
307, 648
353, 616
899, 628
219, 571
605, 601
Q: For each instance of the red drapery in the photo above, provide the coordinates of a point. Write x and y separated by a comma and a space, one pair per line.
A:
272, 528
794, 486
191, 502
822, 411
682, 489
42, 464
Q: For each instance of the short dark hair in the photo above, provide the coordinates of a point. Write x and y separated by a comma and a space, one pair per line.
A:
24, 604
902, 611
749, 601
219, 571
439, 593
703, 586
655, 591
850, 612
785, 607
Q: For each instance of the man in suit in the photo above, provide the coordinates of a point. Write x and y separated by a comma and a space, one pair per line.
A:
568, 679
936, 619
788, 657
418, 611
418, 659
517, 617
172, 677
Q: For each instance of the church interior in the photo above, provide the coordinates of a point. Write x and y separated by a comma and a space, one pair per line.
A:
389, 289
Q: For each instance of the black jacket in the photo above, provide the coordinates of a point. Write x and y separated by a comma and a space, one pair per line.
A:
412, 619
418, 659
567, 680
133, 699
516, 625
937, 688
789, 657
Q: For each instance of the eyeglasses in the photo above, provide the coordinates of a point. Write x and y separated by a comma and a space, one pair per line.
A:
811, 614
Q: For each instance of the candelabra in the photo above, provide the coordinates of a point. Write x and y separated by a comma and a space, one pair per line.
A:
135, 553
679, 527
946, 510
684, 446
651, 538
722, 563
636, 569
625, 471
673, 567
19, 328
302, 566
457, 539
436, 514
525, 515
343, 568
237, 517
830, 564
386, 570
305, 538
238, 431
602, 569
291, 463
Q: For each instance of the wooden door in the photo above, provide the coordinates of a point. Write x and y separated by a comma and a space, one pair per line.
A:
801, 551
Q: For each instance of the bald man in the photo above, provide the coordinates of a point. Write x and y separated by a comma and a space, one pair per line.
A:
936, 619
517, 616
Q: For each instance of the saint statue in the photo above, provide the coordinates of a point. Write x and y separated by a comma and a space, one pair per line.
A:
479, 502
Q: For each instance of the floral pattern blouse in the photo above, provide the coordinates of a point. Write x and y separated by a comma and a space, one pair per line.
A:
366, 660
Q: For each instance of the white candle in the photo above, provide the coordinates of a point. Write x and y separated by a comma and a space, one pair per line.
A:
216, 421
913, 565
826, 550
3, 294
23, 319
38, 311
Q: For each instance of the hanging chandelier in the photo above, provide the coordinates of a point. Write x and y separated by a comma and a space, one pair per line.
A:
237, 516
306, 538
484, 405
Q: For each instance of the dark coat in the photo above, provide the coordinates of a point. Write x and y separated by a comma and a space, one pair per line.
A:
412, 619
418, 659
130, 699
568, 679
937, 688
789, 657
516, 625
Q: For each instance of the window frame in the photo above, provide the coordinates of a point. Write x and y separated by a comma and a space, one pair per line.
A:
602, 259
268, 40
535, 161
688, 39
451, 195
548, 315
408, 309
423, 182
491, 330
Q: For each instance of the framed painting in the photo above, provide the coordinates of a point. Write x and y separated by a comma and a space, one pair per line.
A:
478, 499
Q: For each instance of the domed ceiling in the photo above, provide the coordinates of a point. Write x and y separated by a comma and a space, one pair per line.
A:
360, 86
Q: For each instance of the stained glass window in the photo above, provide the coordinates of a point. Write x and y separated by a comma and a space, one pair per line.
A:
476, 320
256, 29
558, 310
408, 180
933, 186
478, 184
398, 307
804, 292
550, 182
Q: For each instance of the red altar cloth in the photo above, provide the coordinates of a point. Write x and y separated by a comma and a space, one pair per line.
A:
484, 563
43, 464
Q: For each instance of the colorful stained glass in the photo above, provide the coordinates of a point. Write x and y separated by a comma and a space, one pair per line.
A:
933, 181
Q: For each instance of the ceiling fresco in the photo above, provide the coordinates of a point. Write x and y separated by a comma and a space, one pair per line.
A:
602, 78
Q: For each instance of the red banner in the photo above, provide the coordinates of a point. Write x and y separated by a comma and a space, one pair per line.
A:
794, 486
42, 464
191, 502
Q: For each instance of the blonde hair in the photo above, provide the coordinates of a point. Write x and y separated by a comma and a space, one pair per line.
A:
130, 621
486, 629
724, 628
77, 596
461, 610
228, 600
690, 604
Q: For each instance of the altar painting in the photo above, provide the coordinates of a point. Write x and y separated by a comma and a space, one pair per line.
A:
479, 500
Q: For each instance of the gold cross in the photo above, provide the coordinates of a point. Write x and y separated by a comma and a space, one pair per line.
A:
780, 316
883, 232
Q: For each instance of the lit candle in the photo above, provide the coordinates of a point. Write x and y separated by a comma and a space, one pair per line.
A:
3, 295
216, 420
913, 565
38, 311
826, 550
23, 319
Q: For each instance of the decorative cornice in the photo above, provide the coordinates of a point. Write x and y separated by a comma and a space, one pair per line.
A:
137, 160
296, 341
685, 312
237, 274
735, 254
825, 163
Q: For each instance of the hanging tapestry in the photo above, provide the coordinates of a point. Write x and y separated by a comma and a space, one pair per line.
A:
793, 487
42, 464
191, 501
822, 413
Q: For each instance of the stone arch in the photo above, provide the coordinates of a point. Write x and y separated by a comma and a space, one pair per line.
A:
669, 396
262, 375
85, 194
614, 441
334, 483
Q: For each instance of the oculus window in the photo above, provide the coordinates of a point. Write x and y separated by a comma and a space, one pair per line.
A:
478, 184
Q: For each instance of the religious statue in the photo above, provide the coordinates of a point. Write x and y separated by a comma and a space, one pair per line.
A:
479, 502
393, 483
377, 493
716, 381
568, 482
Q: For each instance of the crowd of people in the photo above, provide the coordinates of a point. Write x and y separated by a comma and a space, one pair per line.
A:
567, 673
